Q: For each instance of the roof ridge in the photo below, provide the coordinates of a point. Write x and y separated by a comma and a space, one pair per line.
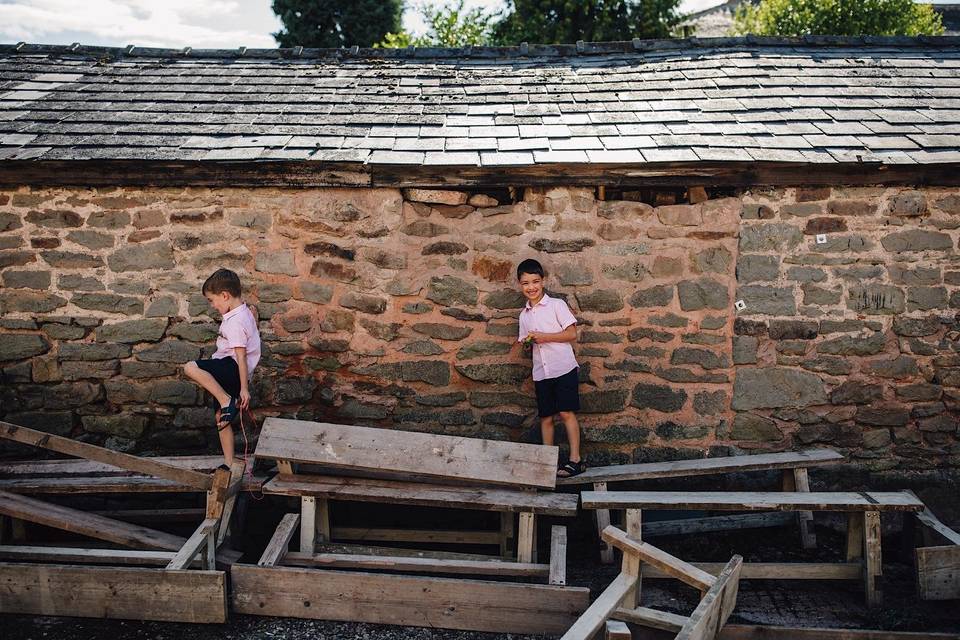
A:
524, 50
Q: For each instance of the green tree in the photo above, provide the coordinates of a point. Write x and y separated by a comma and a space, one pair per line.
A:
837, 17
448, 26
566, 21
336, 23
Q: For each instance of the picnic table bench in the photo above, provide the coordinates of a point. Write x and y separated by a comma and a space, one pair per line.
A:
794, 477
863, 510
322, 463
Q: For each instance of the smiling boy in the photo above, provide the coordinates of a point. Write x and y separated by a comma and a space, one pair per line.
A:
548, 326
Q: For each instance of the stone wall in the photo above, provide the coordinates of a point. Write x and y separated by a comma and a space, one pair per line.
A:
399, 309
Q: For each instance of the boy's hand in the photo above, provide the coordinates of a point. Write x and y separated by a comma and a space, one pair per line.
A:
535, 336
244, 399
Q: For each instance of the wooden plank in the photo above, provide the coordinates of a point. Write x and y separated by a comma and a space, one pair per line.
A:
711, 524
71, 555
854, 542
113, 592
217, 494
417, 454
89, 468
362, 549
100, 454
323, 520
616, 630
630, 564
108, 484
683, 571
416, 565
596, 615
192, 547
808, 536
752, 501
763, 632
938, 572
414, 493
526, 538
153, 515
711, 614
653, 618
445, 603
369, 534
705, 466
506, 534
872, 560
277, 547
932, 522
603, 521
284, 467
87, 524
234, 488
777, 570
308, 524
558, 555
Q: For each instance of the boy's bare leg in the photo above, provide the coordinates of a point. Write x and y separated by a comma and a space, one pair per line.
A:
226, 443
573, 433
546, 430
208, 382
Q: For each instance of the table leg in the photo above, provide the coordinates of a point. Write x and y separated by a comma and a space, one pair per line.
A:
308, 524
526, 538
873, 561
631, 563
603, 521
506, 534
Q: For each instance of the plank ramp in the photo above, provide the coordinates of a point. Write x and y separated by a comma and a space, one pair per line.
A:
415, 454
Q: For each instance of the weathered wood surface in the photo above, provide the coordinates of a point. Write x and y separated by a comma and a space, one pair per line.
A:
616, 630
776, 570
752, 501
653, 618
90, 468
416, 565
113, 592
100, 454
416, 493
397, 552
762, 632
204, 535
434, 536
938, 572
71, 555
558, 555
715, 607
279, 543
711, 524
933, 523
706, 466
418, 454
596, 615
649, 554
444, 603
108, 484
87, 524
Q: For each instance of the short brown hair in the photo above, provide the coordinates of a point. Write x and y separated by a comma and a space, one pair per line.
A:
222, 280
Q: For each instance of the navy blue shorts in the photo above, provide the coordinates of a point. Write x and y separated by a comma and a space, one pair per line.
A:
558, 394
225, 371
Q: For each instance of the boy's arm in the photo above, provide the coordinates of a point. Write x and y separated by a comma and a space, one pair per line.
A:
567, 335
241, 353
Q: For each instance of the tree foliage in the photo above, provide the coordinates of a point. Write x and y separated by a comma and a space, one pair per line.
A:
566, 21
837, 17
448, 26
336, 23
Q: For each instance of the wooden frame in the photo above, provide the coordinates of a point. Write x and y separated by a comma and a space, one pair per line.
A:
937, 565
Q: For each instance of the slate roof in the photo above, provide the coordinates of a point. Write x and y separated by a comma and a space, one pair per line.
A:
816, 100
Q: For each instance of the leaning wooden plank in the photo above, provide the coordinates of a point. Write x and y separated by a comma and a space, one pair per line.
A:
927, 518
71, 555
606, 603
716, 606
108, 484
705, 466
277, 548
711, 524
416, 565
418, 454
428, 495
653, 618
435, 536
777, 570
194, 544
234, 488
659, 559
113, 592
445, 603
763, 632
90, 468
100, 454
87, 524
752, 501
938, 572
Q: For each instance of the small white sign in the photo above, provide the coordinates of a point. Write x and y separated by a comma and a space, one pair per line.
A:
821, 238
740, 305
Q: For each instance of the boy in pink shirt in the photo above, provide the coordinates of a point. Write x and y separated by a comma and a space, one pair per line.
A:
227, 374
549, 328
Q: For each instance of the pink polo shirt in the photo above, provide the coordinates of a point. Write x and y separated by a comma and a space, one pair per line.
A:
239, 329
550, 315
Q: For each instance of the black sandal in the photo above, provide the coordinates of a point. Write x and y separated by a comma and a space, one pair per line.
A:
571, 469
228, 415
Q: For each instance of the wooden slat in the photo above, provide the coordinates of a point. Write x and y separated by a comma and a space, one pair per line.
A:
711, 614
153, 515
100, 454
777, 570
308, 524
415, 493
872, 559
90, 468
602, 517
418, 454
854, 541
927, 518
938, 572
653, 618
277, 548
558, 555
108, 484
711, 524
436, 536
71, 555
763, 632
416, 565
113, 592
234, 487
526, 537
596, 615
87, 524
194, 544
445, 603
705, 466
630, 563
397, 552
751, 501
808, 536
649, 554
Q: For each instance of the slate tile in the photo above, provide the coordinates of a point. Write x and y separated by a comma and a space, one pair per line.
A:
395, 157
620, 156
627, 142
936, 141
452, 158
578, 142
887, 142
560, 156
522, 144
671, 154
722, 154
239, 153
470, 144
510, 158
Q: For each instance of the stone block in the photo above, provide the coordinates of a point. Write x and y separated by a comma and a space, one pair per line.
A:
713, 260
483, 348
70, 395
659, 296
919, 392
708, 403
876, 299
630, 271
745, 349
139, 370
548, 245
17, 346
914, 240
108, 302
673, 431
641, 333
883, 415
810, 194
750, 427
600, 301
702, 357
505, 299
801, 210
851, 208
704, 293
440, 331
450, 290
437, 196
425, 229
175, 351
606, 401
756, 211
123, 425
194, 331
916, 327
140, 257
658, 397
685, 215
817, 226
831, 365
363, 303
908, 204
130, 331
333, 270
774, 301
896, 368
854, 345
813, 295
59, 423
504, 374
771, 237
926, 298
317, 293
902, 274
26, 279
754, 268
774, 387
90, 351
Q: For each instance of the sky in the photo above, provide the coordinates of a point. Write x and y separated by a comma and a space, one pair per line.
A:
174, 23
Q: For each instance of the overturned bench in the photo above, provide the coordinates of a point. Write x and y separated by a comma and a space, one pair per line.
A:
863, 561
793, 466
322, 463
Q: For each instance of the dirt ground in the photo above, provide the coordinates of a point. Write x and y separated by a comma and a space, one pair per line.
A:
780, 603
